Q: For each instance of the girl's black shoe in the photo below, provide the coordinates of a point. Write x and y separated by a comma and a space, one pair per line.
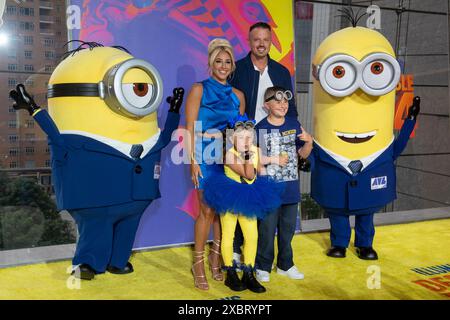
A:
249, 280
233, 282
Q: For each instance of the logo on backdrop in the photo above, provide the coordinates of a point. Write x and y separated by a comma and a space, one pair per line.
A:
404, 99
438, 280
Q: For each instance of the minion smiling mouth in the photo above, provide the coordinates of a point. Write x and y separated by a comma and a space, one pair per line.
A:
356, 137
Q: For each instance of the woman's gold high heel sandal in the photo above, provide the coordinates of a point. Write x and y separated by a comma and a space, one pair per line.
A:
199, 279
215, 267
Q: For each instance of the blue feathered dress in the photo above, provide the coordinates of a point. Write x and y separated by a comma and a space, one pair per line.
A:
253, 200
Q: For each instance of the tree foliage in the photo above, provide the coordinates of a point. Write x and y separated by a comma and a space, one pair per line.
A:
28, 216
311, 209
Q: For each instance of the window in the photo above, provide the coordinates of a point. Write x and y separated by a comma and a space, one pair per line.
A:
49, 55
47, 150
11, 10
29, 150
12, 67
27, 12
29, 124
28, 40
13, 138
30, 164
29, 83
48, 68
12, 82
11, 109
48, 163
14, 152
48, 42
28, 54
11, 26
28, 67
13, 164
25, 25
12, 124
12, 53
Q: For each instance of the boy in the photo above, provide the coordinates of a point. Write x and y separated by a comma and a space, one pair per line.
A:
282, 140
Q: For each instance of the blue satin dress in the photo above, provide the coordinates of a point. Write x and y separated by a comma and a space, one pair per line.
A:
218, 105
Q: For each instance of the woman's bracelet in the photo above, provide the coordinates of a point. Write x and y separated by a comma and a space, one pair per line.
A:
193, 161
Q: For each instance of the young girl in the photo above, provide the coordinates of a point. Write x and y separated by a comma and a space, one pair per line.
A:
241, 195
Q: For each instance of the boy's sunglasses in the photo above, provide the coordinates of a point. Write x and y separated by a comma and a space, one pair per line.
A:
280, 96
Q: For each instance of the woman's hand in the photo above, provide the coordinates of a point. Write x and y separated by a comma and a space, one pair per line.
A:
195, 173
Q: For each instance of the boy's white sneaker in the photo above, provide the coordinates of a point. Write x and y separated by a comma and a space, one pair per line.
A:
292, 273
262, 276
237, 260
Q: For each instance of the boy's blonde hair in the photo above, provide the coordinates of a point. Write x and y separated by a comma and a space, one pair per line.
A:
215, 47
272, 90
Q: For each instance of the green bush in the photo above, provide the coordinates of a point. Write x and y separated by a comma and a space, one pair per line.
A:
28, 216
310, 209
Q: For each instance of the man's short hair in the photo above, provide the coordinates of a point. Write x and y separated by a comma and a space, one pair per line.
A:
260, 24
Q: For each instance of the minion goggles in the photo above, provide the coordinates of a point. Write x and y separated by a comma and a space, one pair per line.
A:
280, 95
340, 75
134, 100
247, 125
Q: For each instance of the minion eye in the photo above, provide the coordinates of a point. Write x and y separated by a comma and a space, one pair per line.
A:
138, 94
338, 72
376, 67
140, 89
378, 74
340, 75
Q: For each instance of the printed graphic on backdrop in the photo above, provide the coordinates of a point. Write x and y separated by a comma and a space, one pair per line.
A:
404, 99
438, 278
173, 36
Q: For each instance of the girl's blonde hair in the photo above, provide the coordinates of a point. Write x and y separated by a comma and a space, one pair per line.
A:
216, 46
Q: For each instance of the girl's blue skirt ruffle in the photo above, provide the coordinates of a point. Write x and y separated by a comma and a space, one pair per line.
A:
254, 200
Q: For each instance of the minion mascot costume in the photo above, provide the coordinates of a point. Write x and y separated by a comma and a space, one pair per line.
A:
105, 147
352, 164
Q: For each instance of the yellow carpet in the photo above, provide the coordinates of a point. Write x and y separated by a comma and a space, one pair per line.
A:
165, 274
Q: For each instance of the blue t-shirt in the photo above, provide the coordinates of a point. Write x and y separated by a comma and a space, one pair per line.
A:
274, 140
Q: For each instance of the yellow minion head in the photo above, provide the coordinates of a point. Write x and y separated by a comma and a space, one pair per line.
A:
355, 76
105, 91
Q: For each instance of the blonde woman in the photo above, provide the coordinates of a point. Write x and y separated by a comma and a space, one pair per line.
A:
209, 106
